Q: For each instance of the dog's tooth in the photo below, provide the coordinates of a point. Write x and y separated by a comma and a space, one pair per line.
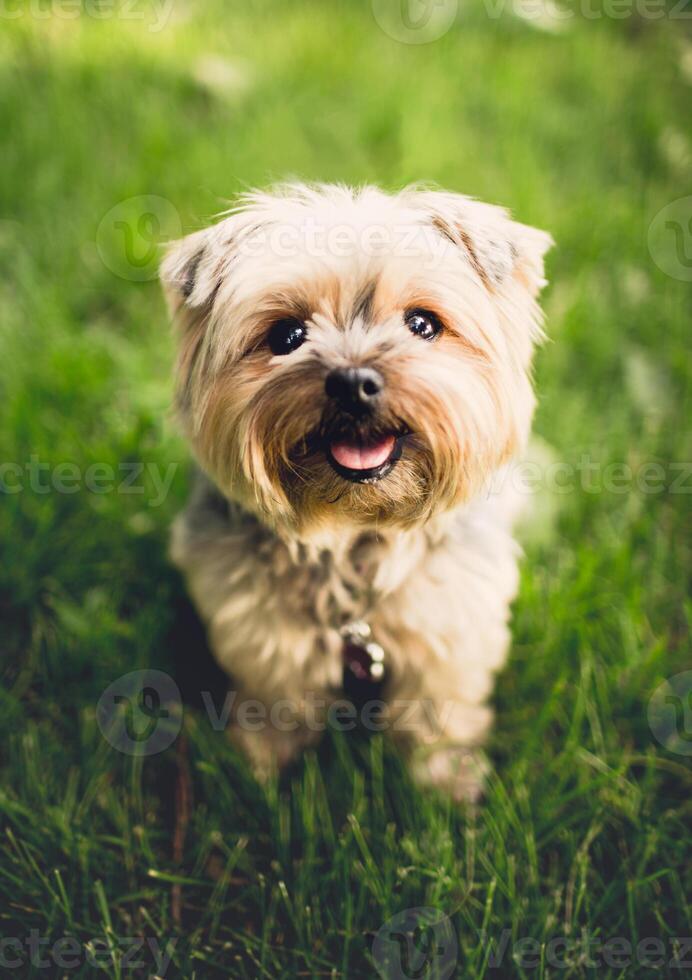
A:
375, 652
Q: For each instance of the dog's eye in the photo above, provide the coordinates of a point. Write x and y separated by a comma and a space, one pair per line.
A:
423, 324
287, 335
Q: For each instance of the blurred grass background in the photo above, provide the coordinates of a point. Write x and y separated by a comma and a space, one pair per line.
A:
584, 131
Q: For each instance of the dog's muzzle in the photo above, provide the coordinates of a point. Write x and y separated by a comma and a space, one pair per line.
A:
355, 447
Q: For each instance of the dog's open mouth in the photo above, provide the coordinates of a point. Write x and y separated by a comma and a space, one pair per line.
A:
364, 460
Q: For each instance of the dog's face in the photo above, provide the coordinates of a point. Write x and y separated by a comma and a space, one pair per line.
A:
350, 356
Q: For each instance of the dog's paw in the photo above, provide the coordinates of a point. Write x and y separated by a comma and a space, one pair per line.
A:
457, 770
267, 750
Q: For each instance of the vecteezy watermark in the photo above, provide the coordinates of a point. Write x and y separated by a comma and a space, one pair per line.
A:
421, 943
152, 481
141, 713
587, 951
591, 476
416, 943
405, 240
130, 235
147, 480
551, 12
670, 713
152, 14
315, 712
423, 21
415, 21
670, 238
71, 953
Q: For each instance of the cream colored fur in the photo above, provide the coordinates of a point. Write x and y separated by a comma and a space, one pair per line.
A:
426, 555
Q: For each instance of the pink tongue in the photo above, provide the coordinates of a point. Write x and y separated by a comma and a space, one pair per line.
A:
356, 456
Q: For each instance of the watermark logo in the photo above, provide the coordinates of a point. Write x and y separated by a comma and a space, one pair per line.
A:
416, 944
130, 235
583, 952
415, 21
152, 14
670, 239
98, 954
148, 480
670, 713
141, 713
549, 15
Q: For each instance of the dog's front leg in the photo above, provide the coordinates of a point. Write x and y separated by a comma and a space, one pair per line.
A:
441, 732
268, 746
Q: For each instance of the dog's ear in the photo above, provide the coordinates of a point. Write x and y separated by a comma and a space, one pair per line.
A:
497, 247
190, 275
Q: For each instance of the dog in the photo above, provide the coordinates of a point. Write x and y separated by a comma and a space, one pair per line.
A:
354, 378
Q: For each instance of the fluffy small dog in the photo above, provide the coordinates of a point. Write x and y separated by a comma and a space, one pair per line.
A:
353, 375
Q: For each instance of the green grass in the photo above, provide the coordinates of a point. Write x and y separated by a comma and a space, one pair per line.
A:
586, 824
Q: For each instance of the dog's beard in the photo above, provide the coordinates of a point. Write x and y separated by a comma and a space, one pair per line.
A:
396, 466
377, 477
362, 467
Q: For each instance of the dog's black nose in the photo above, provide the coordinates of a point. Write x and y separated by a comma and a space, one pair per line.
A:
355, 389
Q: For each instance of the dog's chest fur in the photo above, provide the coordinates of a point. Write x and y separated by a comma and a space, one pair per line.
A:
437, 603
